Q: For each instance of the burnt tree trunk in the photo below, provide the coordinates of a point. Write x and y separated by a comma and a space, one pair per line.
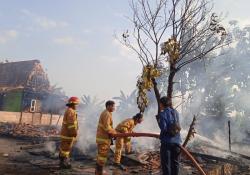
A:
157, 94
171, 83
173, 71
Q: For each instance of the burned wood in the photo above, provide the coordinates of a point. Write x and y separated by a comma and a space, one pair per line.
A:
184, 151
230, 152
27, 130
219, 159
191, 132
32, 146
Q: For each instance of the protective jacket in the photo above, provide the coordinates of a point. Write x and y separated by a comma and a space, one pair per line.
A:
68, 132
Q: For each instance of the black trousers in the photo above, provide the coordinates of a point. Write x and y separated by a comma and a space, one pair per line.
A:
170, 157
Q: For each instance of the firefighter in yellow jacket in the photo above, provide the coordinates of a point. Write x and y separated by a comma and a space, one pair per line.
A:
68, 132
103, 136
125, 126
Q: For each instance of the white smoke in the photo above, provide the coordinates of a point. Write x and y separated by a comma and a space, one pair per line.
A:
213, 99
221, 93
50, 146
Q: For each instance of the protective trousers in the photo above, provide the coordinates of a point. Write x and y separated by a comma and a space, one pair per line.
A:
102, 153
66, 147
119, 146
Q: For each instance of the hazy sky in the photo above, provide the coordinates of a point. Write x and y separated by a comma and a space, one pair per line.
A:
74, 41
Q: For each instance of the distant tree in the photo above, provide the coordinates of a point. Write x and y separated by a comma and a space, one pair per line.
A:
90, 108
127, 103
91, 102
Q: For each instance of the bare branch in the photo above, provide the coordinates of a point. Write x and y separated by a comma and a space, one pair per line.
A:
176, 31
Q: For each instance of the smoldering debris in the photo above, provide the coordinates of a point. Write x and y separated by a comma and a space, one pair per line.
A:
27, 130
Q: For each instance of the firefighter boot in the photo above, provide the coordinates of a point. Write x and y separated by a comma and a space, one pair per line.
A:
119, 166
65, 163
99, 170
61, 160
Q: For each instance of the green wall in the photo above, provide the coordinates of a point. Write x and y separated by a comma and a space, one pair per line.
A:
12, 101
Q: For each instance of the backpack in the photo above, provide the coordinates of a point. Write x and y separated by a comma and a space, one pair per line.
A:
173, 128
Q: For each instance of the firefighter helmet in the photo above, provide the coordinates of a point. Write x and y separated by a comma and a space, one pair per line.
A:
74, 100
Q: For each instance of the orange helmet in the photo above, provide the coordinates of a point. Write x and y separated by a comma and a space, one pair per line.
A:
74, 100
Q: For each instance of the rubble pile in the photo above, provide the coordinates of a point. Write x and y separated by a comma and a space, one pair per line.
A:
211, 164
153, 160
21, 130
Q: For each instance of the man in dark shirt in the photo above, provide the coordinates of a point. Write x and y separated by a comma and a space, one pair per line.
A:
168, 121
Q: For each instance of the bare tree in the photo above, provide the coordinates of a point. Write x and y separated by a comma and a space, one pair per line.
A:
168, 35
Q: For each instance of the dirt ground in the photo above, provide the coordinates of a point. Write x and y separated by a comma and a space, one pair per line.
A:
16, 160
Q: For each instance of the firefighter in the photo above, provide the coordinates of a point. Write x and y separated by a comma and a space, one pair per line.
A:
125, 126
68, 132
104, 135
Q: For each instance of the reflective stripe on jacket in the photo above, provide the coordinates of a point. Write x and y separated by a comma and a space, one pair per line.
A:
70, 124
126, 126
105, 127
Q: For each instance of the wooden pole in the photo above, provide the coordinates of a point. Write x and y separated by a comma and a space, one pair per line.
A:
32, 118
21, 116
229, 135
58, 119
41, 115
50, 118
21, 108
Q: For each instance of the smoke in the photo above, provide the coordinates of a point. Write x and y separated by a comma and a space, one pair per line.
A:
86, 141
54, 103
149, 125
217, 92
50, 147
126, 107
220, 92
88, 116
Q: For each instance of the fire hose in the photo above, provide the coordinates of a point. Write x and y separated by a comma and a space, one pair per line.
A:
183, 149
